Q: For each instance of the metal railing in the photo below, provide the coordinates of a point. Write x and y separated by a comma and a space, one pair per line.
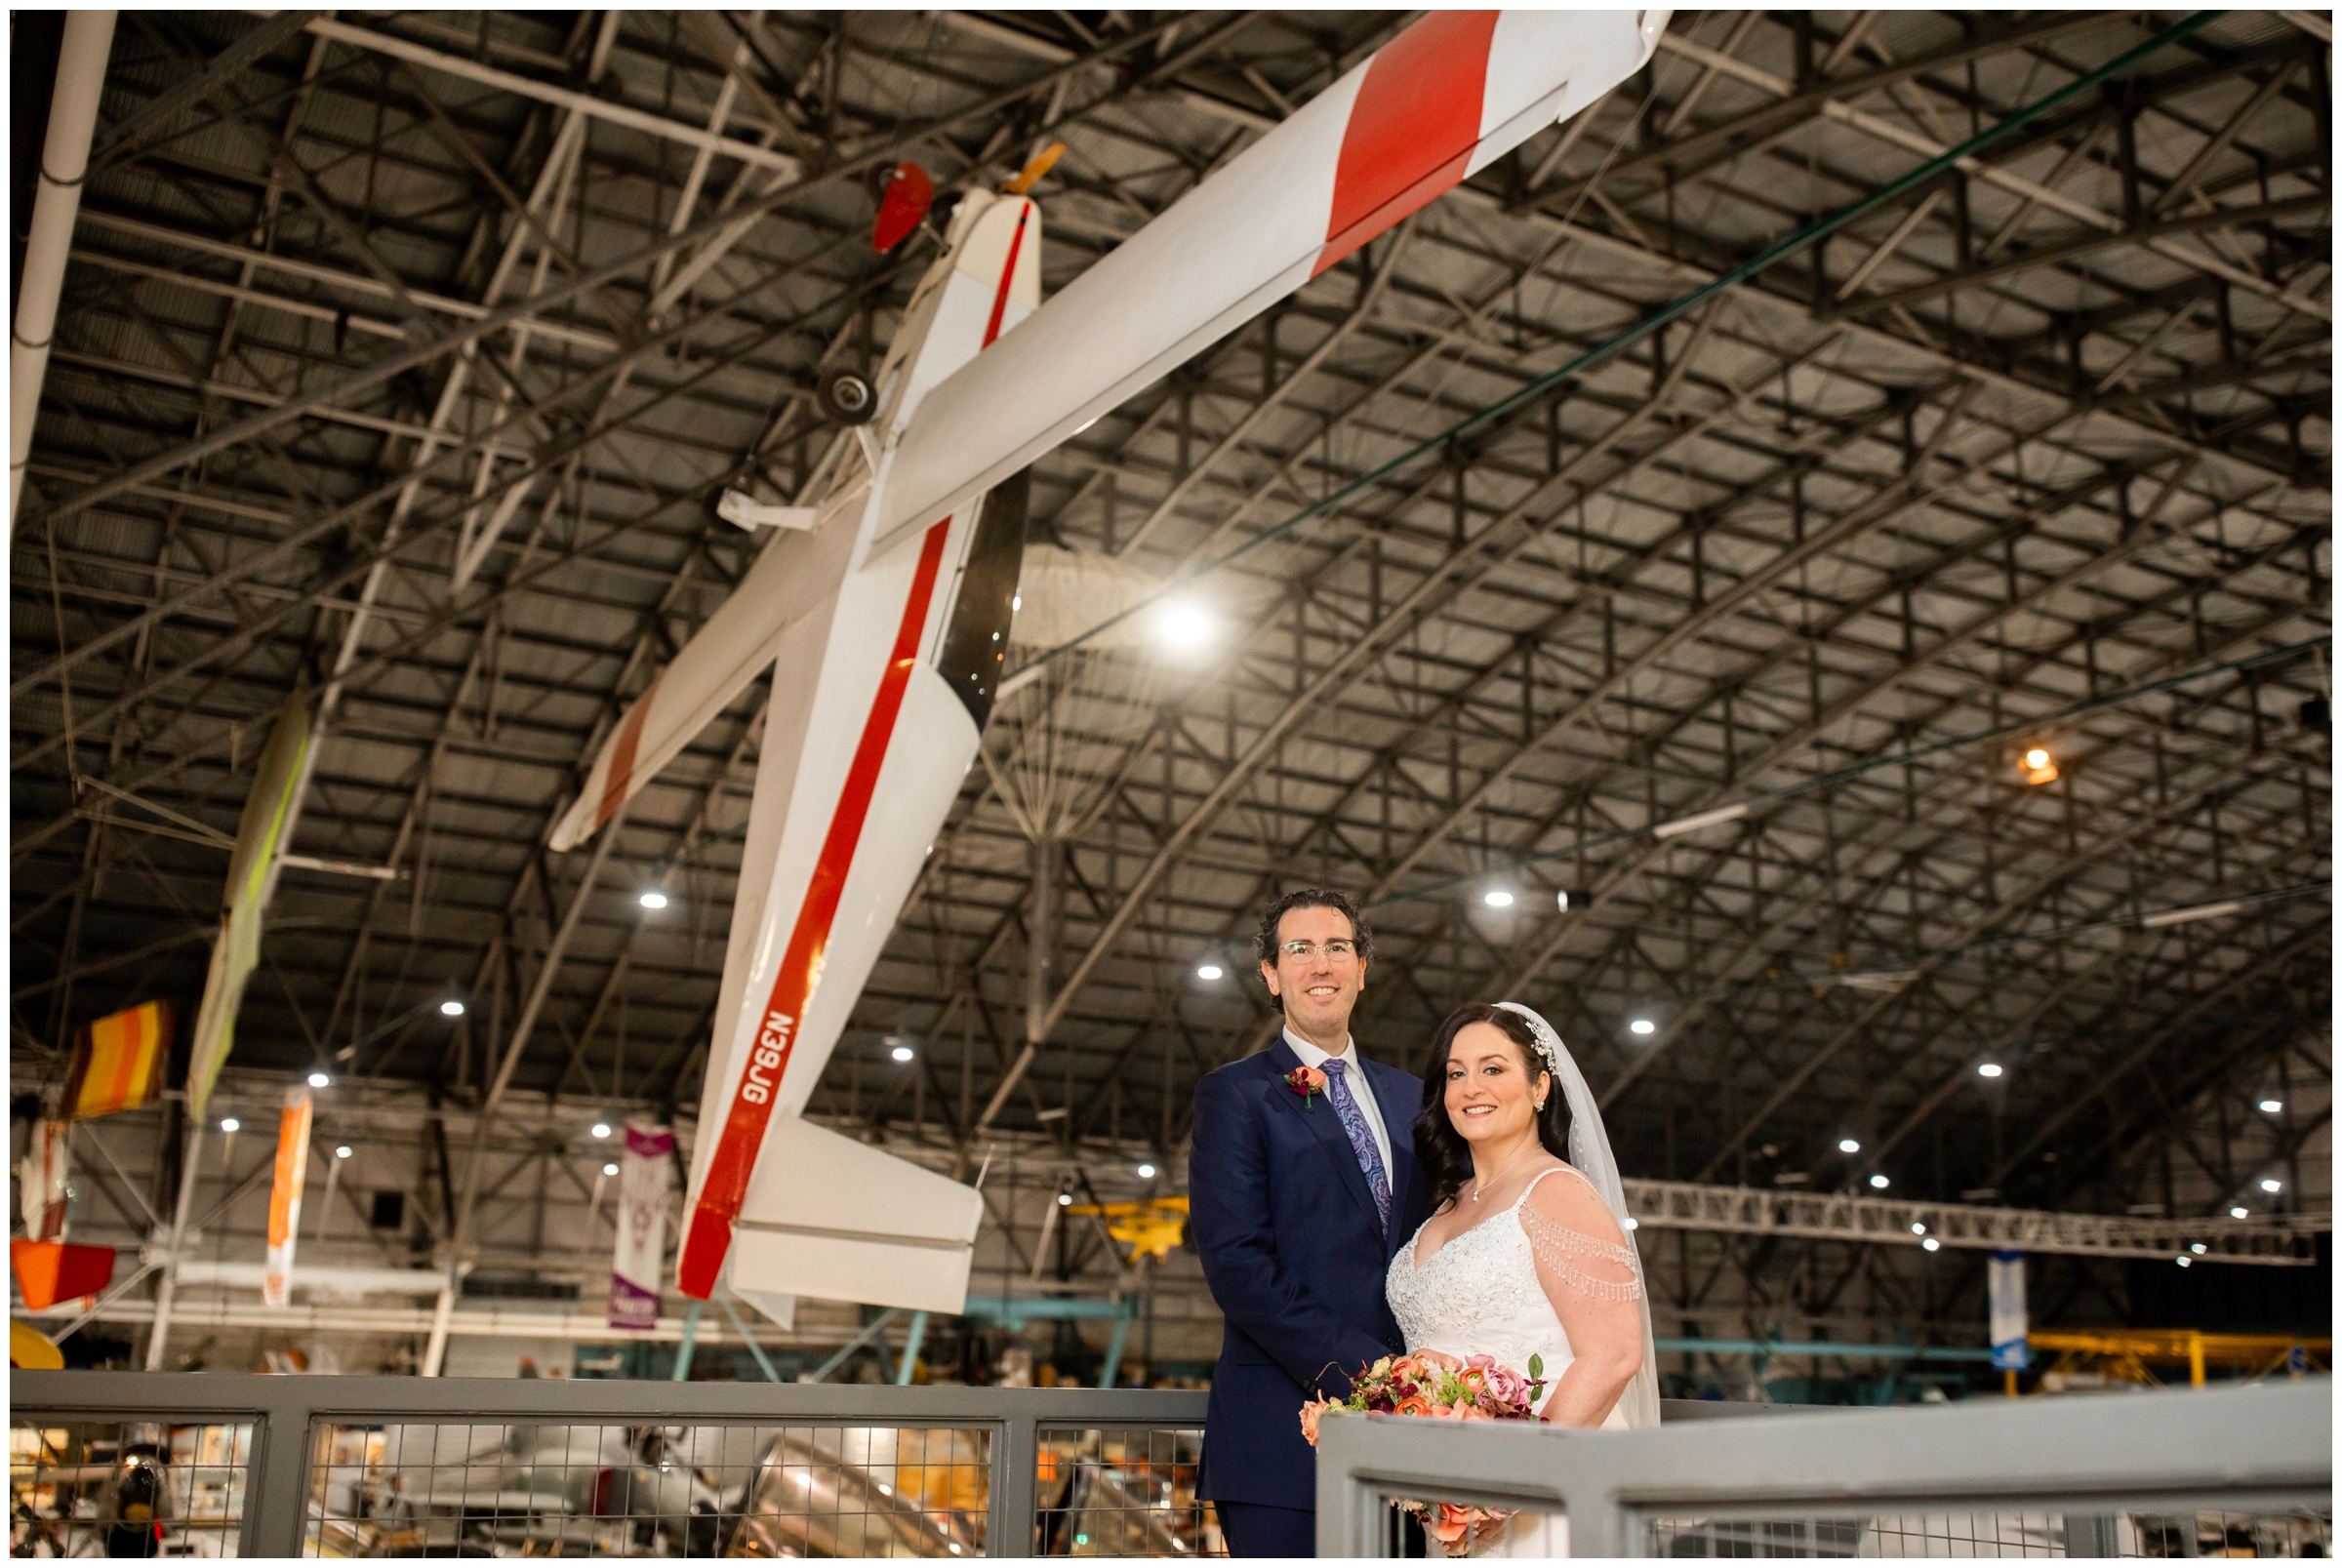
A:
284, 1466
2124, 1475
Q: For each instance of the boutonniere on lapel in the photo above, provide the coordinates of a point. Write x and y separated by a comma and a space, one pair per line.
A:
1307, 1082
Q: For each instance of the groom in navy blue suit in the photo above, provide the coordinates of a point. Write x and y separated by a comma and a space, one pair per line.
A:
1299, 1204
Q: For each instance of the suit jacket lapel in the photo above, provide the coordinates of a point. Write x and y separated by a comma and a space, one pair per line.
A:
1319, 1115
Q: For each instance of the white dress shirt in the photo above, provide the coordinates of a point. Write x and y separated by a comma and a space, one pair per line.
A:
1359, 1089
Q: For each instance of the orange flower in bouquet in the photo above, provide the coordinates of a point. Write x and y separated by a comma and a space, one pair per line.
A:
1480, 1389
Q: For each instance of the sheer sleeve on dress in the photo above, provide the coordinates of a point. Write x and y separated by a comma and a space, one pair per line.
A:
1605, 1271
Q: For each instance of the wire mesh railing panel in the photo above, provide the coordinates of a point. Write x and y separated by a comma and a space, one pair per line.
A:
126, 1489
1949, 1533
642, 1490
1121, 1491
2222, 1533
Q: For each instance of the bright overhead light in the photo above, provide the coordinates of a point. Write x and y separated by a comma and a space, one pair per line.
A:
2270, 1184
1917, 1229
229, 1124
2184, 1260
1064, 1200
601, 1129
2038, 767
2240, 1214
343, 1151
1849, 1145
610, 1168
1497, 899
318, 1080
1184, 625
902, 1052
1016, 602
2036, 758
1987, 1069
1633, 1224
1146, 1172
2198, 1248
653, 898
1209, 971
1932, 1245
1643, 1025
452, 1009
2272, 1106
1879, 1182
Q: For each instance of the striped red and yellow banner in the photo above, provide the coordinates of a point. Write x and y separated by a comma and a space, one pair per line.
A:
118, 1062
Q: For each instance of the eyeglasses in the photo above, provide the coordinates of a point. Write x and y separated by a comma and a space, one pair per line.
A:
1332, 948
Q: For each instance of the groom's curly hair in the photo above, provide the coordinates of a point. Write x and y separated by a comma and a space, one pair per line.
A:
1264, 940
1445, 1155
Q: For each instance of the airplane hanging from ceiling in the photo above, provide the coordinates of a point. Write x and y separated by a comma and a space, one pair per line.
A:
883, 611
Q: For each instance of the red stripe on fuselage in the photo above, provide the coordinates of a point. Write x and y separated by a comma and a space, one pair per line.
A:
1016, 243
709, 1237
1412, 127
622, 760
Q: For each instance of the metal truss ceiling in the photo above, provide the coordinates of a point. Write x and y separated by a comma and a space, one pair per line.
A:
2056, 427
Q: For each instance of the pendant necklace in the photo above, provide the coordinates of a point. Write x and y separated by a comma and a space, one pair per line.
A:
1479, 1187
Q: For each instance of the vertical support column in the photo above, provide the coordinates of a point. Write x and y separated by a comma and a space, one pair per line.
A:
691, 1340
1114, 1346
169, 1291
911, 1349
436, 1353
2089, 1535
1016, 1468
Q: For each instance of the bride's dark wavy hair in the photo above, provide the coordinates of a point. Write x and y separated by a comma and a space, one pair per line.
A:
1445, 1155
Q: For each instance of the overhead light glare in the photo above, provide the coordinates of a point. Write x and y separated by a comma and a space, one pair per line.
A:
2270, 1184
318, 1080
343, 1151
2272, 1106
1932, 1245
1643, 1025
2198, 1248
2239, 1213
902, 1052
1184, 625
1917, 1229
1146, 1172
2038, 766
452, 1009
2184, 1260
229, 1124
1987, 1069
1849, 1145
1209, 971
601, 1129
653, 898
1633, 1224
610, 1168
1497, 899
1064, 1200
1879, 1182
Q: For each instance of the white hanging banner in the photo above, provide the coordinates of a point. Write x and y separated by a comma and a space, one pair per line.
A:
41, 1181
645, 1176
2004, 1287
284, 1198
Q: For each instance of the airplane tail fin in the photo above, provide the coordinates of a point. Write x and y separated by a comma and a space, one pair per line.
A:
829, 1217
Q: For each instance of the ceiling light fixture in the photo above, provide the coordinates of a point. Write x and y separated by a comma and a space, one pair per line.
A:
318, 1080
1064, 1200
1932, 1245
1987, 1069
229, 1124
2038, 767
2239, 1213
902, 1052
2272, 1106
653, 898
1209, 971
1643, 1025
2270, 1184
343, 1151
2198, 1248
452, 1009
1146, 1173
1184, 625
2184, 1260
1879, 1182
601, 1129
1497, 899
1917, 1229
610, 1168
1849, 1145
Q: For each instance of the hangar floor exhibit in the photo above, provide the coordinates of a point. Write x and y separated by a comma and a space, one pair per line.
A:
662, 662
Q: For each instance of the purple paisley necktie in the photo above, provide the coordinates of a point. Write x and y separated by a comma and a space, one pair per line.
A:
1361, 1138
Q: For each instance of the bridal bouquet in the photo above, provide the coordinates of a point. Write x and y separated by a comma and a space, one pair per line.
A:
1480, 1389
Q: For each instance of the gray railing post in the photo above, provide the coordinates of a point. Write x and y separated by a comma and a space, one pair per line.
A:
276, 1489
2091, 1534
1016, 1474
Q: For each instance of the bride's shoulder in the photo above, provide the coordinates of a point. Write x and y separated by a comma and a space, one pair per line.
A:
1570, 1200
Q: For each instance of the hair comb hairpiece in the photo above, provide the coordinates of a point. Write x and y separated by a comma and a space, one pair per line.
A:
1548, 1044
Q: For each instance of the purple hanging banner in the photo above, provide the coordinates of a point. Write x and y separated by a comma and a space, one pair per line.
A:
645, 1171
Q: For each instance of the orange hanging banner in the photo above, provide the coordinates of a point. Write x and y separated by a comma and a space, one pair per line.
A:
284, 1198
118, 1062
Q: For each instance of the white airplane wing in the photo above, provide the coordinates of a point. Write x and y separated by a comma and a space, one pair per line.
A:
1441, 100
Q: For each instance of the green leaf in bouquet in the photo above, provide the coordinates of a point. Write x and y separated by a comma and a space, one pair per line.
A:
1536, 1367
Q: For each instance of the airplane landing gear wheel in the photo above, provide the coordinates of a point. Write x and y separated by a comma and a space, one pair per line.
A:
847, 397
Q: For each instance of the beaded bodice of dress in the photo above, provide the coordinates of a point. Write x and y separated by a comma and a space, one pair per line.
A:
1479, 1294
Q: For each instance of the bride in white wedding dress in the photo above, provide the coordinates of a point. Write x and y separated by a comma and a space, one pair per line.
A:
1525, 1254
